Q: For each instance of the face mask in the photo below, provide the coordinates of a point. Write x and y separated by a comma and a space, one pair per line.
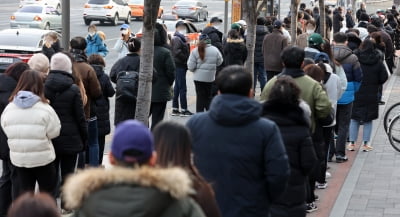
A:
182, 32
310, 31
124, 32
92, 33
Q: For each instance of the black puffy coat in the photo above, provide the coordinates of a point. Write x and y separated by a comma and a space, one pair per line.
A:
103, 103
124, 109
7, 86
302, 157
216, 37
365, 105
337, 21
261, 32
180, 50
235, 52
65, 98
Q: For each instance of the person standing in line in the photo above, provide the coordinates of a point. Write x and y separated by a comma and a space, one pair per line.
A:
39, 62
203, 62
302, 40
121, 46
180, 52
174, 149
366, 102
354, 75
102, 103
95, 43
30, 124
9, 187
273, 45
284, 108
65, 98
51, 45
349, 19
214, 33
125, 109
239, 152
361, 11
259, 69
337, 20
235, 51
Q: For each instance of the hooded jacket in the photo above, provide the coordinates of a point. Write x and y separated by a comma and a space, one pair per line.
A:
216, 37
7, 86
311, 92
235, 52
123, 192
95, 45
241, 154
365, 106
180, 50
261, 32
66, 100
296, 136
205, 70
30, 125
272, 47
353, 71
103, 103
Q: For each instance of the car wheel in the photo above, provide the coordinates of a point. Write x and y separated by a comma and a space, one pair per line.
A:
128, 19
47, 26
114, 22
87, 22
102, 22
198, 17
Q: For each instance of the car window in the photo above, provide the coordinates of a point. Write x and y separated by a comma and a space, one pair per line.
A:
51, 10
99, 2
192, 27
120, 2
31, 9
185, 3
136, 2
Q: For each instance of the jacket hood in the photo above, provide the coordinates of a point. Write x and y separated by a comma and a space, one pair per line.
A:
230, 40
261, 30
284, 115
7, 83
369, 57
211, 29
59, 81
25, 99
98, 69
341, 52
78, 187
78, 55
294, 73
234, 110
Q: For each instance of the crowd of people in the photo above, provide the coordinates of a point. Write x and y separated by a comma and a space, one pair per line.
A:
235, 157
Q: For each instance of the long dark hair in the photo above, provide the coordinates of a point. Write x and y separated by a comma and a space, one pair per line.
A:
201, 47
174, 147
327, 48
15, 70
285, 91
32, 81
34, 205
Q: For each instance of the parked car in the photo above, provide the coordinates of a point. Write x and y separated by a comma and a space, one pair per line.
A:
36, 16
107, 11
54, 3
137, 8
18, 45
190, 9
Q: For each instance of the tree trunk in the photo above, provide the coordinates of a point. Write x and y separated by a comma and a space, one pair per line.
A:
146, 61
250, 6
354, 9
293, 26
322, 18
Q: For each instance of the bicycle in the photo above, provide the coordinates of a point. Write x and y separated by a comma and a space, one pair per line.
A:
394, 132
390, 114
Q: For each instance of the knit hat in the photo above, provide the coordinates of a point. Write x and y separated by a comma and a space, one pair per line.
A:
61, 62
236, 26
132, 142
315, 39
39, 62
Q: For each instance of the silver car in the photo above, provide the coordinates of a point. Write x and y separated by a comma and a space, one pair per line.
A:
190, 9
36, 16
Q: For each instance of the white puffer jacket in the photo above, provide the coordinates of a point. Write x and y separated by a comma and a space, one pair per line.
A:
205, 70
30, 125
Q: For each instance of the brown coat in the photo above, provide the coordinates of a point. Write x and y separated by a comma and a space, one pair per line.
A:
90, 82
273, 45
302, 40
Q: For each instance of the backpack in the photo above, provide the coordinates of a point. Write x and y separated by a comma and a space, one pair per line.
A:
127, 85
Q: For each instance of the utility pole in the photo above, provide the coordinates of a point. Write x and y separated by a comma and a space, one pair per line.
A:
65, 16
226, 17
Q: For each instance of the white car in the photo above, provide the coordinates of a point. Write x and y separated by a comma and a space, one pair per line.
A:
54, 3
107, 11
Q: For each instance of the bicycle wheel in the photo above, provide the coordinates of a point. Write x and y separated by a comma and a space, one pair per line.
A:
391, 113
394, 133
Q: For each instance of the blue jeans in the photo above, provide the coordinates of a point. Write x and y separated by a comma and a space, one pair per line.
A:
93, 143
355, 126
180, 89
260, 74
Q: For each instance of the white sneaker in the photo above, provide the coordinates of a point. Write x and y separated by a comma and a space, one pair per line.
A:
328, 175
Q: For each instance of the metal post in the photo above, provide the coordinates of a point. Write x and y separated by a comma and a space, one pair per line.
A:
279, 10
226, 16
65, 13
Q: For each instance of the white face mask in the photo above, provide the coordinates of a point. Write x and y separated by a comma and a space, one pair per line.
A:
182, 31
310, 31
124, 32
92, 33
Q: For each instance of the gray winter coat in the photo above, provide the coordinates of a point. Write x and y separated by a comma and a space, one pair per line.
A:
204, 70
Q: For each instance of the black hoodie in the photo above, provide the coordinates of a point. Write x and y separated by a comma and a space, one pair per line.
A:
65, 98
235, 52
7, 86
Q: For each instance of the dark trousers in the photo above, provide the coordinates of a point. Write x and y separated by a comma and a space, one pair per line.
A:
328, 139
46, 176
343, 116
65, 165
157, 112
92, 155
180, 89
260, 74
271, 74
9, 188
102, 142
203, 93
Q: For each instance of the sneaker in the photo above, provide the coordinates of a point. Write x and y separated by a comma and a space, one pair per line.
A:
316, 197
341, 159
175, 112
311, 207
367, 148
65, 212
328, 175
351, 146
186, 113
321, 185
